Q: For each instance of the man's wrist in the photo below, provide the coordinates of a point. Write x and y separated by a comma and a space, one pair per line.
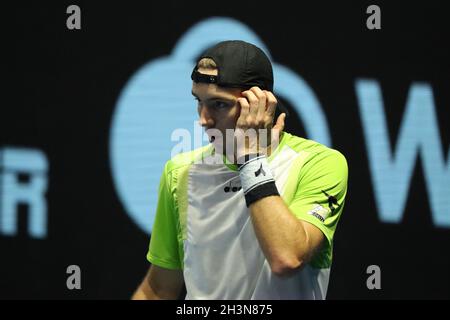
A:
256, 178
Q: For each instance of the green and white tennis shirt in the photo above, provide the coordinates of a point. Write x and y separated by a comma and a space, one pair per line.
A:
203, 226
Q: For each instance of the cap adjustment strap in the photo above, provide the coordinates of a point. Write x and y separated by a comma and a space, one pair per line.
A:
204, 78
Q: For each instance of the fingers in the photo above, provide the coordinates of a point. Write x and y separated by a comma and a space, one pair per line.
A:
254, 102
262, 103
276, 130
279, 125
257, 108
271, 103
245, 107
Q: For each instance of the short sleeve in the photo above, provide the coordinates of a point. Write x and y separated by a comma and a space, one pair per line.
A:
320, 197
163, 250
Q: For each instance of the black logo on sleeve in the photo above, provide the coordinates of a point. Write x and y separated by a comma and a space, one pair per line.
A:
259, 171
332, 201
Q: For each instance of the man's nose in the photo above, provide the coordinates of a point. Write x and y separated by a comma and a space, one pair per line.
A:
206, 119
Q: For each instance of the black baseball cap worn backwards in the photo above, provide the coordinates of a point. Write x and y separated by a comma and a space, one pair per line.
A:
240, 65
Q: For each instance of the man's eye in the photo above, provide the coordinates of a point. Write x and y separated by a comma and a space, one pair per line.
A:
219, 104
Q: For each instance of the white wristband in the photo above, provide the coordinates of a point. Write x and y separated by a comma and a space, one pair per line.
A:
254, 173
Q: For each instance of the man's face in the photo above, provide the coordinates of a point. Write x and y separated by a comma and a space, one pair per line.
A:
217, 107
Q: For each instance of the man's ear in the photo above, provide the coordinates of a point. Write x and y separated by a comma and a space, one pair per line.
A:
281, 108
276, 114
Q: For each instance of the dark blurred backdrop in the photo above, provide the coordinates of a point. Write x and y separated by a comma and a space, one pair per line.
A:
381, 97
